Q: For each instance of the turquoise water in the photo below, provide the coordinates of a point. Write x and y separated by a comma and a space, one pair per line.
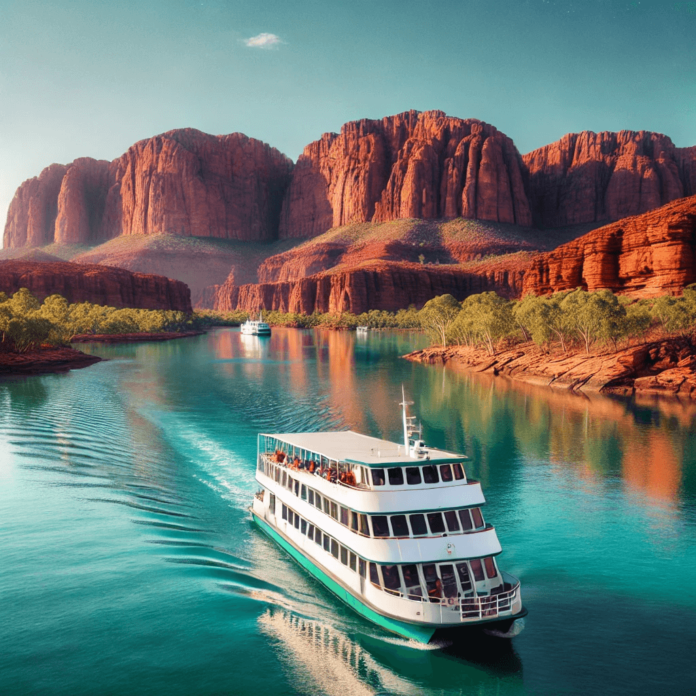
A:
129, 565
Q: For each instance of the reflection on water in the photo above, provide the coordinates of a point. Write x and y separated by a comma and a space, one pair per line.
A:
124, 490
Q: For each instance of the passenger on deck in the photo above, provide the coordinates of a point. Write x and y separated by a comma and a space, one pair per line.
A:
312, 467
297, 464
350, 479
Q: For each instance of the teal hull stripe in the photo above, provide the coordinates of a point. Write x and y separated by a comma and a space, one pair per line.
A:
421, 635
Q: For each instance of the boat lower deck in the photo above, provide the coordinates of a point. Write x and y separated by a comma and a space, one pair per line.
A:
422, 633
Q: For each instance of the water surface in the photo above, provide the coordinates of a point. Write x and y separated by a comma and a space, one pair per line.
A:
129, 565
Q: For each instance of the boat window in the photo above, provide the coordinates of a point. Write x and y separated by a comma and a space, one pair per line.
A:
310, 496
344, 516
353, 561
327, 505
396, 476
304, 492
449, 581
399, 526
317, 536
276, 473
334, 510
430, 474
303, 526
378, 477
437, 524
390, 575
297, 521
317, 500
412, 581
284, 478
458, 471
380, 526
272, 504
310, 531
344, 555
418, 526
291, 516
374, 575
334, 548
413, 475
464, 579
285, 512
354, 521
327, 542
362, 568
445, 472
432, 581
465, 517
452, 521
477, 569
477, 517
491, 570
364, 526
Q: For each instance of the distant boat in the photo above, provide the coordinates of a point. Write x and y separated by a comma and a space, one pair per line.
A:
362, 329
256, 327
394, 530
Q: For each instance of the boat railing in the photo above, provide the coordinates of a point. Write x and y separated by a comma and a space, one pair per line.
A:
475, 607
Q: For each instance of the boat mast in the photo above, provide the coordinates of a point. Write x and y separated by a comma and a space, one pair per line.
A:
404, 413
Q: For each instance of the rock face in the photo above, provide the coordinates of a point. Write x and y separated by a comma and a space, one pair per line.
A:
183, 182
413, 165
601, 177
103, 285
666, 367
381, 285
646, 255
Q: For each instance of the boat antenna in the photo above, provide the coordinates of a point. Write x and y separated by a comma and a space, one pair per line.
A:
404, 405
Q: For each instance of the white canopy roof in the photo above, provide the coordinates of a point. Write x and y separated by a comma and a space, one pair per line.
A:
348, 446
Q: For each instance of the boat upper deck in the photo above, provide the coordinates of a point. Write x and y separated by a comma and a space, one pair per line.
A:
356, 448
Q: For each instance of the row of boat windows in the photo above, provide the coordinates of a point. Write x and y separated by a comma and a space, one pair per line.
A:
413, 580
394, 476
384, 526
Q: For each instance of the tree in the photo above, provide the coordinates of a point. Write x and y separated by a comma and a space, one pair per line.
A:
674, 313
437, 316
593, 315
490, 316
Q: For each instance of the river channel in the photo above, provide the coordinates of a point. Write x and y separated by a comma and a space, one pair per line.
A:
129, 566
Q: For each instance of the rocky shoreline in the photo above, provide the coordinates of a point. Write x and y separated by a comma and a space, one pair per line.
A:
44, 360
658, 368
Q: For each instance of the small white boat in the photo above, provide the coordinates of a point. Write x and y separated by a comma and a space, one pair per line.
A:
394, 530
362, 329
256, 327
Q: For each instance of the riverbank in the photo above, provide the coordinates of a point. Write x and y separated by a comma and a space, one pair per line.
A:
134, 337
41, 360
665, 367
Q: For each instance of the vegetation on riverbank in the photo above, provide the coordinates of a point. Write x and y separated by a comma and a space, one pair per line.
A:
567, 320
27, 324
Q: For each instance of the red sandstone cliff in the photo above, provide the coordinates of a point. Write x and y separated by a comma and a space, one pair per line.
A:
103, 285
601, 177
650, 254
183, 182
412, 165
380, 285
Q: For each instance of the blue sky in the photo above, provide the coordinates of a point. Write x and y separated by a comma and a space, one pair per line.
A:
90, 78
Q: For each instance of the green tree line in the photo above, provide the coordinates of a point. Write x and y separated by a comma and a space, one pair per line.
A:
25, 322
566, 319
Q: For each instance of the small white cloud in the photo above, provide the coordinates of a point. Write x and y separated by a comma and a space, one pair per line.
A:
263, 40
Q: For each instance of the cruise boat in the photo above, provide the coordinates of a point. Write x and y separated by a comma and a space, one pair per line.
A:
394, 530
256, 327
362, 329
